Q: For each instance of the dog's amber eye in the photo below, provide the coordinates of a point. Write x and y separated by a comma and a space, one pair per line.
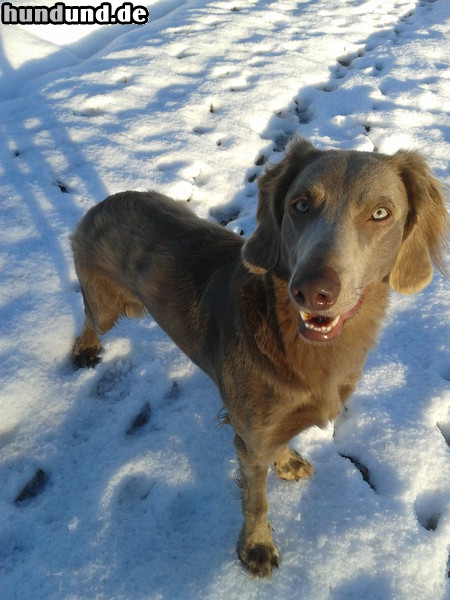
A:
301, 206
380, 214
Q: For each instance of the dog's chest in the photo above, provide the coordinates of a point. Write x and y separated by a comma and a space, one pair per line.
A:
314, 396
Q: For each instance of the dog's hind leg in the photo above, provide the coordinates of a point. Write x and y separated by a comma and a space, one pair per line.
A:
104, 302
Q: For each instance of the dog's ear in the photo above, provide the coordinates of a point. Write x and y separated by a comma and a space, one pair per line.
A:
262, 249
425, 231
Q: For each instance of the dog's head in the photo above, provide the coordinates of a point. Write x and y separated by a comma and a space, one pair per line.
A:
336, 222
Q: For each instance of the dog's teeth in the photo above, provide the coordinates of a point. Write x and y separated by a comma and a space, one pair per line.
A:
322, 328
335, 321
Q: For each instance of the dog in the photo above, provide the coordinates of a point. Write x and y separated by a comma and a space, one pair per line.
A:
282, 321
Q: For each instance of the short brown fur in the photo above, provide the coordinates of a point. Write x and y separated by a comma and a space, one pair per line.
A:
229, 305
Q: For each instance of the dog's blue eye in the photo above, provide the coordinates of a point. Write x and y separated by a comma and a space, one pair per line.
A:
380, 214
301, 206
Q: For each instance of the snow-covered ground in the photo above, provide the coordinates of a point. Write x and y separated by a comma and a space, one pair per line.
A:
116, 482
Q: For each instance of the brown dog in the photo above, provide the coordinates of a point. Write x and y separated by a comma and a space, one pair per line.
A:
281, 322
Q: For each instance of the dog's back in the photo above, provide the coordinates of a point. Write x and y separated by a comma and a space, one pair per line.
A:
152, 254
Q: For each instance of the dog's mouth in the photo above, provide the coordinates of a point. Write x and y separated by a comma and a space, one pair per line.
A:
321, 328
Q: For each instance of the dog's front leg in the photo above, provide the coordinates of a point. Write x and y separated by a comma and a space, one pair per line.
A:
290, 465
255, 547
86, 348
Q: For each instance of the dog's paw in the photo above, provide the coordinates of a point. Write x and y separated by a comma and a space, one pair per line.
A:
85, 356
291, 466
258, 557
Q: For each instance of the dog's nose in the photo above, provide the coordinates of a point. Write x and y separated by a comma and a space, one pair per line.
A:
316, 292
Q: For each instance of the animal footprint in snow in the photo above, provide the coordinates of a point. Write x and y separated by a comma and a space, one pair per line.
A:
134, 488
304, 111
93, 107
428, 508
198, 173
62, 186
365, 473
224, 216
140, 419
33, 488
111, 384
223, 73
330, 86
281, 140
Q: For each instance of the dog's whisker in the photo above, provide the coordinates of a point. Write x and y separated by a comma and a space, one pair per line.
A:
222, 418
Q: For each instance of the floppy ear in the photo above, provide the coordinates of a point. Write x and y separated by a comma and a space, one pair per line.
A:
425, 232
262, 249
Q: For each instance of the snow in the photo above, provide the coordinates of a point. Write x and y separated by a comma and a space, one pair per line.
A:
117, 481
